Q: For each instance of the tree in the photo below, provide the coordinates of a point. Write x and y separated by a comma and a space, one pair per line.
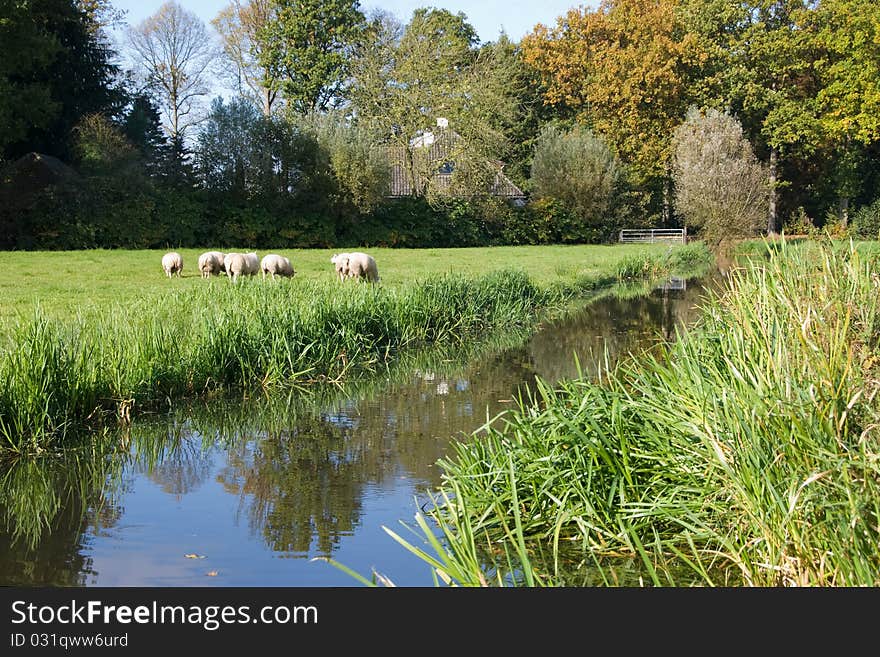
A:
176, 52
56, 68
576, 168
305, 48
625, 69
358, 163
847, 34
766, 75
720, 186
407, 79
242, 28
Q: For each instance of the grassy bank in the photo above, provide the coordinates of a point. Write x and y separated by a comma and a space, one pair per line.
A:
60, 376
747, 453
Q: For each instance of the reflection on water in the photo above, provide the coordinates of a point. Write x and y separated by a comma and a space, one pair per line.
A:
253, 490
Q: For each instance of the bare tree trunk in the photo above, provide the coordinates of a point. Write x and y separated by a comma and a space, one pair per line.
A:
772, 210
268, 97
843, 205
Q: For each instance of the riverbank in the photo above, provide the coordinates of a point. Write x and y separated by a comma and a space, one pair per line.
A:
745, 454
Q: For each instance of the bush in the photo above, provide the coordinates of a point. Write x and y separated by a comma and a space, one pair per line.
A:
720, 186
866, 221
577, 169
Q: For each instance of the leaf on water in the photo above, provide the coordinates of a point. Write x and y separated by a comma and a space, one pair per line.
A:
194, 556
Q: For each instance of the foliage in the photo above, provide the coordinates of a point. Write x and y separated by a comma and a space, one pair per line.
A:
305, 47
624, 68
577, 169
57, 66
800, 223
359, 164
720, 187
409, 77
866, 221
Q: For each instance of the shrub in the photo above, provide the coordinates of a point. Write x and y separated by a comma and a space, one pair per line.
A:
720, 186
866, 221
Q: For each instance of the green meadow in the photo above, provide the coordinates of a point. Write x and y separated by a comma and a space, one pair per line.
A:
64, 283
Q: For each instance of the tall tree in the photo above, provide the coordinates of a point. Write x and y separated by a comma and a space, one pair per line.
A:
176, 52
626, 69
846, 33
242, 27
305, 48
56, 67
435, 70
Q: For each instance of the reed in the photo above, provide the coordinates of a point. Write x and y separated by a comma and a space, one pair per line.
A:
745, 453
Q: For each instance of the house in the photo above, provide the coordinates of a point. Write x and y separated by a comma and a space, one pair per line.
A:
428, 164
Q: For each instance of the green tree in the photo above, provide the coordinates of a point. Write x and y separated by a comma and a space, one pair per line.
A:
576, 168
427, 81
846, 33
56, 67
305, 48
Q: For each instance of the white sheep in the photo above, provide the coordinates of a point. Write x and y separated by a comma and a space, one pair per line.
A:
340, 260
172, 263
359, 265
211, 262
273, 264
226, 260
242, 264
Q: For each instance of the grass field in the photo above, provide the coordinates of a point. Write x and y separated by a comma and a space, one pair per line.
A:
66, 283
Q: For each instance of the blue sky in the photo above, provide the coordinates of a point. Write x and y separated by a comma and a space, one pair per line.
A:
489, 17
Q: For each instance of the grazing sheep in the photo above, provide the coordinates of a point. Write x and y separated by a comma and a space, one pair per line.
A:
226, 260
172, 263
211, 262
341, 262
361, 266
242, 264
273, 264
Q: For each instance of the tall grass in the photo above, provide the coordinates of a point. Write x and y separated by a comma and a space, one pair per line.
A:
746, 453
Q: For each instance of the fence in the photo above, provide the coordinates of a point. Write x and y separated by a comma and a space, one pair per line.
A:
652, 235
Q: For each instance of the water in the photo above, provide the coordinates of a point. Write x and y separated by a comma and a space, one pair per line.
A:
255, 492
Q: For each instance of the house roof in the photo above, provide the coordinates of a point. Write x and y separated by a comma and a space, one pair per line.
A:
437, 148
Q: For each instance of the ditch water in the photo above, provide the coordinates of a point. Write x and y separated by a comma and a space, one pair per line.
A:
250, 493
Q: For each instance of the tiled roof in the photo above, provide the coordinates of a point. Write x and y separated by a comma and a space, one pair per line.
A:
437, 150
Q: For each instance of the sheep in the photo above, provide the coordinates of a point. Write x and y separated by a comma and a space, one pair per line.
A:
226, 260
361, 266
242, 264
341, 262
172, 263
211, 262
275, 264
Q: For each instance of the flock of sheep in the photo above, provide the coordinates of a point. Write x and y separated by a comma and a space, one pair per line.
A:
348, 265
